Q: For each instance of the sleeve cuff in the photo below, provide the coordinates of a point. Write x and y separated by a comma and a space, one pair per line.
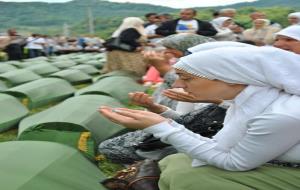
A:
165, 126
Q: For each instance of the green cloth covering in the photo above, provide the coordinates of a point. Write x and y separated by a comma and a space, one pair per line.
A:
96, 63
6, 68
118, 73
34, 165
178, 174
43, 69
28, 64
64, 64
79, 140
36, 59
11, 62
11, 112
2, 86
74, 76
117, 87
77, 113
43, 91
19, 76
88, 69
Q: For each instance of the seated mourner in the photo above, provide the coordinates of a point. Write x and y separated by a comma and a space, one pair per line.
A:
260, 137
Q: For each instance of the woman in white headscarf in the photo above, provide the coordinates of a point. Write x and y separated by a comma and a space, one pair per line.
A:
294, 18
132, 33
261, 125
261, 33
222, 25
289, 39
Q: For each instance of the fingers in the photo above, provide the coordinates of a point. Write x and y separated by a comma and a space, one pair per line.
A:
179, 96
141, 98
113, 116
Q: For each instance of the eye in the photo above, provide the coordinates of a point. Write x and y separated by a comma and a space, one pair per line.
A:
186, 79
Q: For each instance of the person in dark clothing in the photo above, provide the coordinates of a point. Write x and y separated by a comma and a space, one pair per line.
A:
131, 36
186, 24
130, 32
14, 49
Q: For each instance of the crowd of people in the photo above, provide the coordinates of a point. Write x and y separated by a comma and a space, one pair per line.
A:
226, 114
20, 47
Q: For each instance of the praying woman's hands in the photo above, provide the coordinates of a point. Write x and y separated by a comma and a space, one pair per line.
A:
133, 119
146, 101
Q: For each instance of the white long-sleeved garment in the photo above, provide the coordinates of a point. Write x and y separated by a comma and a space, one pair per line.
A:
271, 134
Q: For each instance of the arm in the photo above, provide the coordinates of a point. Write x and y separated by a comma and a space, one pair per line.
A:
267, 137
206, 29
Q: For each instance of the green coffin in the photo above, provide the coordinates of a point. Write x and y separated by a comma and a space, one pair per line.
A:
43, 69
23, 65
6, 68
19, 76
43, 91
117, 87
88, 69
64, 64
11, 111
79, 140
74, 114
37, 59
2, 86
74, 76
33, 165
96, 63
117, 73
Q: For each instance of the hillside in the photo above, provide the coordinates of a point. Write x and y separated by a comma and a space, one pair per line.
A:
49, 18
269, 3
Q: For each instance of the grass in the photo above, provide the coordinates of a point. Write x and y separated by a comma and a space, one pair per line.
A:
109, 168
10, 135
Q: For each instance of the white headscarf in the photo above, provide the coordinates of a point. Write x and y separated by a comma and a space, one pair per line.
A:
131, 22
291, 31
272, 76
297, 15
258, 66
218, 22
213, 45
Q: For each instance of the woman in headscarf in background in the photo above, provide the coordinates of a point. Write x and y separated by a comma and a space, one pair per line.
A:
222, 25
132, 33
261, 33
261, 129
294, 18
289, 39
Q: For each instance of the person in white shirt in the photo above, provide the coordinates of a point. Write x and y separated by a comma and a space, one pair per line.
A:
261, 125
35, 45
150, 30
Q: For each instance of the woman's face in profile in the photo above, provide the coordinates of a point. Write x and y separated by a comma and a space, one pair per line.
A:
293, 20
287, 43
204, 88
227, 23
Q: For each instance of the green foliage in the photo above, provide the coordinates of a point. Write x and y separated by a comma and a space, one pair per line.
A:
49, 18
